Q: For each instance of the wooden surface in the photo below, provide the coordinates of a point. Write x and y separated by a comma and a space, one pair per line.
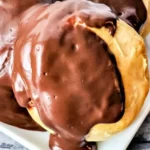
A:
140, 142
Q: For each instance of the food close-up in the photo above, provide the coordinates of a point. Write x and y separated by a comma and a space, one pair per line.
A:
77, 69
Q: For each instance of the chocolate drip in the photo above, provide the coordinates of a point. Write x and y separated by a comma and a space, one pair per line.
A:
11, 112
58, 142
67, 71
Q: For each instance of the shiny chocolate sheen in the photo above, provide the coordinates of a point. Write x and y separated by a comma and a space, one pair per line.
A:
58, 142
131, 11
64, 69
11, 112
68, 72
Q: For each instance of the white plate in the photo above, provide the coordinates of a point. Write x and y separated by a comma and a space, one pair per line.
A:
39, 141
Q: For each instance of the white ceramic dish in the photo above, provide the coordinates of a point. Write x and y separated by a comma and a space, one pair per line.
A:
39, 140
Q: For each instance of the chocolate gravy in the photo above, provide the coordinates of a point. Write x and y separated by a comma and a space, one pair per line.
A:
68, 72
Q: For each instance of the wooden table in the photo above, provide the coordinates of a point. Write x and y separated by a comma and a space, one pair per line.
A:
140, 142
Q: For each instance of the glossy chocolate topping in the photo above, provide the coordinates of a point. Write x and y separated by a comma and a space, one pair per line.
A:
56, 141
62, 69
11, 112
67, 71
131, 11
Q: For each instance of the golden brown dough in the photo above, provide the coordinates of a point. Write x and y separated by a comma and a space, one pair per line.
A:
129, 50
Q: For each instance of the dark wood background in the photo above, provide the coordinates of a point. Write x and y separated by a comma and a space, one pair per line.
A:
142, 138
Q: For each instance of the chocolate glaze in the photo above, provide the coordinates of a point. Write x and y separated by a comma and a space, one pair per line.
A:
131, 11
67, 71
11, 112
58, 142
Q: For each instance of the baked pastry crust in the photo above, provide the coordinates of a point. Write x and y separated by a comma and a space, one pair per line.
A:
130, 53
